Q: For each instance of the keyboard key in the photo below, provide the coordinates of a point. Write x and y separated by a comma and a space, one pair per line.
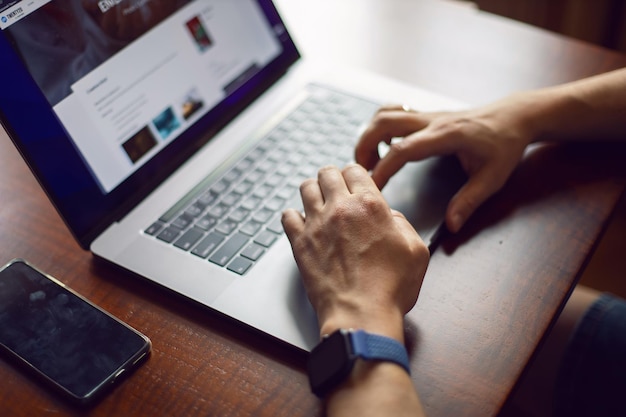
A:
170, 234
251, 228
226, 227
229, 249
276, 226
295, 203
290, 146
232, 175
154, 228
266, 239
208, 245
275, 204
206, 223
220, 187
251, 203
257, 153
274, 180
287, 192
296, 159
193, 211
266, 166
286, 170
263, 215
245, 164
243, 188
240, 265
263, 191
253, 252
206, 199
277, 156
218, 210
239, 214
189, 238
181, 222
297, 180
231, 199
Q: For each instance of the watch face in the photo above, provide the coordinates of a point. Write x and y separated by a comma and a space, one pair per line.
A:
330, 362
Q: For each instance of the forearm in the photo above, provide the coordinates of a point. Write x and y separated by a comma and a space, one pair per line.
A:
590, 109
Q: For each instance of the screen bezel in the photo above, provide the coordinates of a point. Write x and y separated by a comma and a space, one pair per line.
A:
61, 171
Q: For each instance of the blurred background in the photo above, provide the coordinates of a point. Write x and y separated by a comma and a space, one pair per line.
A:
602, 22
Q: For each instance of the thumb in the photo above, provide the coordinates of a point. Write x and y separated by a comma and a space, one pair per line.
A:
293, 224
405, 227
469, 197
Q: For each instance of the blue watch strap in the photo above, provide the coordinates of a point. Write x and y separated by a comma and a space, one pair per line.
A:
370, 346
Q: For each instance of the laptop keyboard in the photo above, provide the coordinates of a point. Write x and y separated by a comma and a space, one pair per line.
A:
234, 220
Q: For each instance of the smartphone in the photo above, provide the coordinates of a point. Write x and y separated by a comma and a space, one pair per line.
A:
70, 344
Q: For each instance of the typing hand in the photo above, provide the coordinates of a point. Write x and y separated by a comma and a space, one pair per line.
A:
488, 141
362, 263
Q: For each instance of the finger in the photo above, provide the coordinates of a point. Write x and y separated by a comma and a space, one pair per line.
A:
312, 198
386, 125
396, 107
293, 223
431, 115
331, 183
406, 228
469, 197
358, 180
415, 147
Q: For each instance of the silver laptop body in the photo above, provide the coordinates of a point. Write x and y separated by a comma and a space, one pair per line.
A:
167, 84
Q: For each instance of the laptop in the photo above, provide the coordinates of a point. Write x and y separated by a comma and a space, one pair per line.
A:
171, 134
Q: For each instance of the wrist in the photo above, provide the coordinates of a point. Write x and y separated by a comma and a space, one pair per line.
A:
529, 115
552, 114
387, 322
331, 363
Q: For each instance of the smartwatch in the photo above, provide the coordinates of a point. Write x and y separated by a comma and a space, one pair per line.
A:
332, 360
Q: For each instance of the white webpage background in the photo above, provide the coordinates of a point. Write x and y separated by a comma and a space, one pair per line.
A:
127, 92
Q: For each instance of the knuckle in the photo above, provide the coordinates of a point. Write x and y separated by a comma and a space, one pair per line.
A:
450, 125
327, 168
369, 205
422, 253
399, 147
340, 215
307, 182
371, 202
353, 168
380, 120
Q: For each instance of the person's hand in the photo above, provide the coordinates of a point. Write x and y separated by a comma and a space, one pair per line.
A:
488, 141
362, 264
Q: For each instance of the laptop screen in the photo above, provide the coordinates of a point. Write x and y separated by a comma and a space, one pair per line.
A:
107, 97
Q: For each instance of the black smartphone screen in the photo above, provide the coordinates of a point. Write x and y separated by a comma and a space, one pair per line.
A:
73, 344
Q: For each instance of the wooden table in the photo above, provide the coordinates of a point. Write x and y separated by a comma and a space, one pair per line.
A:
490, 293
